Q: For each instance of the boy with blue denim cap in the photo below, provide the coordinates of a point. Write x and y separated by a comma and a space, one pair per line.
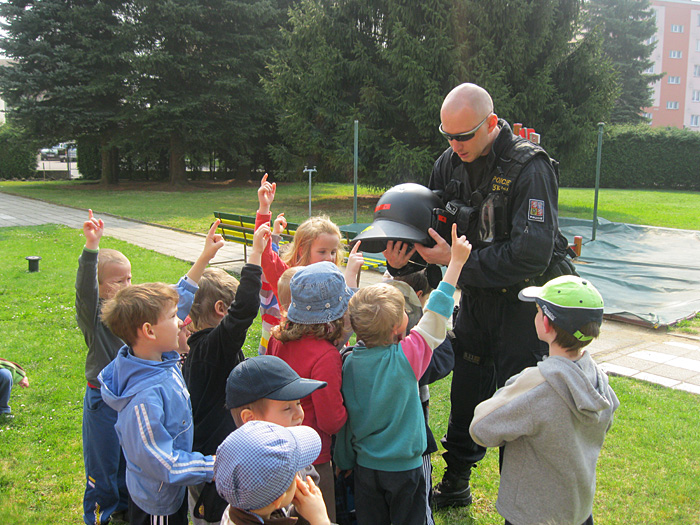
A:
256, 473
559, 410
384, 438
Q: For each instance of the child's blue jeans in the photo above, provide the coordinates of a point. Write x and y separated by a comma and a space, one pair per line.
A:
5, 389
105, 466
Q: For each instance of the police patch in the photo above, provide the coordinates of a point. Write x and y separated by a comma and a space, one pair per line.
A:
536, 212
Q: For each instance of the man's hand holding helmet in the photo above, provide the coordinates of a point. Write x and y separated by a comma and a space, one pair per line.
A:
438, 254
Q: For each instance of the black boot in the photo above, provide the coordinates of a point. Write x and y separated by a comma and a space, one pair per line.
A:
453, 490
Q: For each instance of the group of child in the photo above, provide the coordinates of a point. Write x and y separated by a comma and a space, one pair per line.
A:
232, 440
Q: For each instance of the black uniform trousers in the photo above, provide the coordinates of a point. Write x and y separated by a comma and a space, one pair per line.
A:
498, 330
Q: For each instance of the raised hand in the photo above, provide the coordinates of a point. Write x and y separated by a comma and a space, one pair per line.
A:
266, 195
214, 241
212, 245
261, 238
279, 225
93, 229
355, 262
459, 255
461, 248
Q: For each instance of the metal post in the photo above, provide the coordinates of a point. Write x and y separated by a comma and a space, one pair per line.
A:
601, 125
354, 202
310, 171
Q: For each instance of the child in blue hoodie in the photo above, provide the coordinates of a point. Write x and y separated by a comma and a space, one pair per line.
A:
145, 386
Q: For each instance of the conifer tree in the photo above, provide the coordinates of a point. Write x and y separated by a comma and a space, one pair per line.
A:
390, 64
627, 27
387, 64
66, 78
195, 81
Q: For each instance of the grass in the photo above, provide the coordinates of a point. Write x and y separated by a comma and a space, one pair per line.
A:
648, 471
192, 209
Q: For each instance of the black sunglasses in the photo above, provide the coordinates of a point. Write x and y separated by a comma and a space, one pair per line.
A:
467, 135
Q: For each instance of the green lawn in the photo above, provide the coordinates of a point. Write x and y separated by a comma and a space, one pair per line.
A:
191, 209
648, 472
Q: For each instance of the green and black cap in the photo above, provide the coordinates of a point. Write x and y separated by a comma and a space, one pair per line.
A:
568, 301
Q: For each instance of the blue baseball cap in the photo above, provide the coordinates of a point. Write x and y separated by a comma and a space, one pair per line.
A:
257, 462
266, 376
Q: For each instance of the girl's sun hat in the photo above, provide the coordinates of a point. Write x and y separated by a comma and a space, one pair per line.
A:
319, 294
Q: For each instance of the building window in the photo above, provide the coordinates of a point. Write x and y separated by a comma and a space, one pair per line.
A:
695, 121
676, 54
674, 80
696, 95
676, 28
647, 116
671, 105
651, 40
649, 70
697, 45
696, 71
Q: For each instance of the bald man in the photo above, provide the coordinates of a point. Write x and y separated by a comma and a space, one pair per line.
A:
508, 186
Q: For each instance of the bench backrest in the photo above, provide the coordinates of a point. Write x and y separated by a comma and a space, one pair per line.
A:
240, 229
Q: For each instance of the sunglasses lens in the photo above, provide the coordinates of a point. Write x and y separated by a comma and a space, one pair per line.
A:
464, 138
458, 138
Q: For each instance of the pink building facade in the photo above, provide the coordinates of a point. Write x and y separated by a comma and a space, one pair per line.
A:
676, 98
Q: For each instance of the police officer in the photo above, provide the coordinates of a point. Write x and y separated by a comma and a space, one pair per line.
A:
504, 189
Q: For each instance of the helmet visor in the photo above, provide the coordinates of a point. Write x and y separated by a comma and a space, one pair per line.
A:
377, 234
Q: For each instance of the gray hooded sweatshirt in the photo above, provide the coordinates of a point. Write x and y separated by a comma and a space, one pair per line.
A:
552, 419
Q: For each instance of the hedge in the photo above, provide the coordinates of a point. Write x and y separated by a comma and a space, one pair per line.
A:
640, 157
17, 154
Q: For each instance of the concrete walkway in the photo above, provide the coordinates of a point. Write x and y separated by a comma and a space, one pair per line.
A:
667, 359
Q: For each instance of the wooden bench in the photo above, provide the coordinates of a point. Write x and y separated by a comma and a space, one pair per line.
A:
240, 229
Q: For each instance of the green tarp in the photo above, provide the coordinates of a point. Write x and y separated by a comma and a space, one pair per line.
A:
645, 274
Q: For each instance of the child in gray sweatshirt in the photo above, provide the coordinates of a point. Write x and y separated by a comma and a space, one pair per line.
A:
552, 418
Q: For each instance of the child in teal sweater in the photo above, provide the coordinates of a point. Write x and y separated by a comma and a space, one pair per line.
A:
384, 437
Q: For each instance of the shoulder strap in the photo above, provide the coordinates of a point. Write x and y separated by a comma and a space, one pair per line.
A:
509, 168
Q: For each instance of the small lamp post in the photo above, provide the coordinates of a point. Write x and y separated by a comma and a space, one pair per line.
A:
310, 171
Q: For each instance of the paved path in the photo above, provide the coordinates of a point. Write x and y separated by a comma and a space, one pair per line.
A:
667, 359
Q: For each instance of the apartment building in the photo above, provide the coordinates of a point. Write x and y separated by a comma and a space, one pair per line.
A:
676, 99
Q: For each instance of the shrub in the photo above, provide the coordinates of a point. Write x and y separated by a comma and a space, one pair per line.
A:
17, 154
641, 157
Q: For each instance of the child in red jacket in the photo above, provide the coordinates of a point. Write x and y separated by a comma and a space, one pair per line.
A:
306, 339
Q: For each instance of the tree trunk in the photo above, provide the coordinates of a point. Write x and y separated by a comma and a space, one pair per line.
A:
178, 173
110, 161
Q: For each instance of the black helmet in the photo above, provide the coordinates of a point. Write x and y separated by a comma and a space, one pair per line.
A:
404, 213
